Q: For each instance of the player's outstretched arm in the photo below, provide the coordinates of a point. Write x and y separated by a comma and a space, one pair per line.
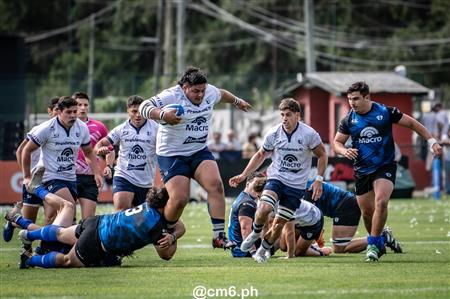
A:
254, 163
91, 160
411, 123
228, 97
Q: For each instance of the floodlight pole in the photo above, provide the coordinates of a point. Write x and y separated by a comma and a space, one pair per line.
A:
308, 8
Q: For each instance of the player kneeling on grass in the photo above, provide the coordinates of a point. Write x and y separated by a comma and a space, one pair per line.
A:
104, 240
298, 235
342, 207
242, 213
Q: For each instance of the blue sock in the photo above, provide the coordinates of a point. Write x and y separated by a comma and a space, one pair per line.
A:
41, 192
371, 240
218, 226
43, 261
46, 233
23, 222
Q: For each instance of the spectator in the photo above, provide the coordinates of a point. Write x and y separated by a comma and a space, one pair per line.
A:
250, 147
446, 145
216, 146
232, 143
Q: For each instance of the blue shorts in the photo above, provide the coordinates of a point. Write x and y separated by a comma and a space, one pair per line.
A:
288, 197
182, 165
140, 194
29, 199
54, 186
311, 232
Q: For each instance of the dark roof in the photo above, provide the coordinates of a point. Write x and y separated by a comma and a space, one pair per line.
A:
338, 82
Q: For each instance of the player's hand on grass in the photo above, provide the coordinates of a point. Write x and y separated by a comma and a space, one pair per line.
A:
167, 240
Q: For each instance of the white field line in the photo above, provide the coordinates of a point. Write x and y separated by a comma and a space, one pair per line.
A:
193, 246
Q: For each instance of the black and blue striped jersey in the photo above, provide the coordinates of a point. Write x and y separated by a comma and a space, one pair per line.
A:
331, 199
126, 231
244, 205
371, 135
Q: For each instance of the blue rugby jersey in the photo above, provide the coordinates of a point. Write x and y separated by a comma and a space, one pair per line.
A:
246, 201
371, 135
129, 230
331, 198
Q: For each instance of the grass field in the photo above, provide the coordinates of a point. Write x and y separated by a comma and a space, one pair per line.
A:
423, 271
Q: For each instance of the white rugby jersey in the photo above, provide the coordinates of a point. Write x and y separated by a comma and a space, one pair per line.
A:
307, 214
190, 135
291, 155
59, 147
35, 156
136, 161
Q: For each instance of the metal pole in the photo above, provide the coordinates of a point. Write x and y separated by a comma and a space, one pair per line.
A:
181, 20
308, 7
90, 87
159, 43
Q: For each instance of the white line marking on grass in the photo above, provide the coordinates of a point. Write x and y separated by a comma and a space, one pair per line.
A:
193, 246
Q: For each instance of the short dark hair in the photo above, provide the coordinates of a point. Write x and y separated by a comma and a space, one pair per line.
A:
290, 104
66, 102
360, 86
134, 100
80, 95
255, 175
157, 197
193, 76
53, 102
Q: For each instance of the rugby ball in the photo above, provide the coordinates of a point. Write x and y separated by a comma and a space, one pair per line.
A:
178, 107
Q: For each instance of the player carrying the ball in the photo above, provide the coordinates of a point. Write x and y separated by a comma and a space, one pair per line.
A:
181, 146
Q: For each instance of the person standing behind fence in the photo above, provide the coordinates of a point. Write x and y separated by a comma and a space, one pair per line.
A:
370, 126
181, 146
86, 186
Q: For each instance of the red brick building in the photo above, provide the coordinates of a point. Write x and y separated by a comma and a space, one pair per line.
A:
323, 99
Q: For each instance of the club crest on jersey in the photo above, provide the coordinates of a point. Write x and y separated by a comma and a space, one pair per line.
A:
290, 164
137, 152
136, 167
369, 135
354, 121
199, 124
191, 139
66, 155
380, 117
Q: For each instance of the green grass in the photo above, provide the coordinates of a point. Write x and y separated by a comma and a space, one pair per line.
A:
423, 271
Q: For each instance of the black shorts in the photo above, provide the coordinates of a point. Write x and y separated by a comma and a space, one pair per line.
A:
311, 232
89, 247
347, 212
87, 187
364, 184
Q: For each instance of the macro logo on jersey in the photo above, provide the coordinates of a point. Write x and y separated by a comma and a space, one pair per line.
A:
197, 125
369, 135
137, 153
201, 139
290, 164
66, 156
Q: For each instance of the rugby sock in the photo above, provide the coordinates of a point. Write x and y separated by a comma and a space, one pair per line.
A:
257, 228
41, 192
23, 222
46, 233
266, 245
218, 226
43, 261
371, 240
377, 241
